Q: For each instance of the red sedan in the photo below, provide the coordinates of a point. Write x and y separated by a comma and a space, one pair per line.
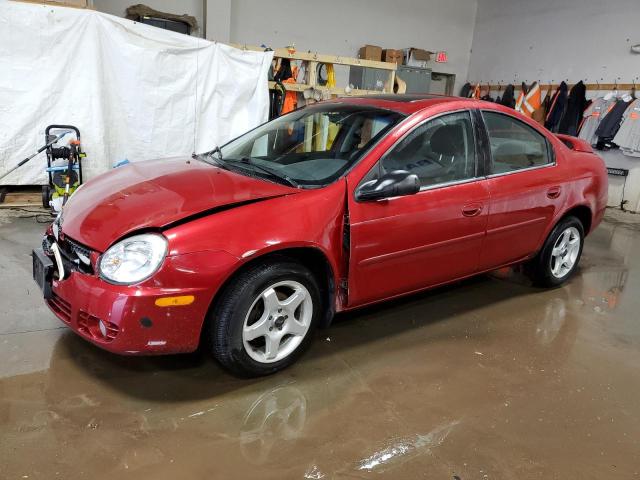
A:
250, 247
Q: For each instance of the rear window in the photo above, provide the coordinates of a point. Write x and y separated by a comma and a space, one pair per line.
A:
514, 144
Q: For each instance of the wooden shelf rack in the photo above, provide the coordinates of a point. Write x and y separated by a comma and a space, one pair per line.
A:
313, 59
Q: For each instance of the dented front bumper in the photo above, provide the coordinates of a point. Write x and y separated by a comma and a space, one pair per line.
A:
139, 319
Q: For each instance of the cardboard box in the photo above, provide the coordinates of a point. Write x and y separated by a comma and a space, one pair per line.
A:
392, 56
416, 57
370, 52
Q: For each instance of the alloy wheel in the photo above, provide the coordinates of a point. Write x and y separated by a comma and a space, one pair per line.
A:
565, 252
277, 321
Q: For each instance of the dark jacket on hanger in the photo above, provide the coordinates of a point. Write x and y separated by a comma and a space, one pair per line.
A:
466, 90
507, 98
610, 125
575, 108
557, 108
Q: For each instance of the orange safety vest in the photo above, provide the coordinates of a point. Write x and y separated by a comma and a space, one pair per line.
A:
290, 98
529, 102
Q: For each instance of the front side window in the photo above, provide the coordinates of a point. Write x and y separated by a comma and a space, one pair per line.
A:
312, 146
514, 145
441, 150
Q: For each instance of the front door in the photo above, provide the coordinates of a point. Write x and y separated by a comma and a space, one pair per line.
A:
408, 243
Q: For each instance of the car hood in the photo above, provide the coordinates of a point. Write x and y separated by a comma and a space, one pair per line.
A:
154, 194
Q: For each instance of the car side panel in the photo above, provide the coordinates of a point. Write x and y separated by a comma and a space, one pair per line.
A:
409, 243
588, 186
520, 213
310, 218
526, 205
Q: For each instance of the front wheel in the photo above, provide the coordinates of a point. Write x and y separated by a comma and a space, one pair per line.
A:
560, 254
264, 318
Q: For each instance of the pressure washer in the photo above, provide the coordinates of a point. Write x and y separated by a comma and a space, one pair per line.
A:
64, 166
66, 176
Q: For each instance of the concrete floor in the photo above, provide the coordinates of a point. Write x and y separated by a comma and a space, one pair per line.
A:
486, 379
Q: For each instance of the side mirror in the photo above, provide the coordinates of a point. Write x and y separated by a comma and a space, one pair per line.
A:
393, 184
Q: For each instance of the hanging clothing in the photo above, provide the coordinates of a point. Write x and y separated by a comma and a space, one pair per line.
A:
508, 99
557, 108
466, 90
541, 113
628, 136
592, 117
485, 93
287, 74
610, 125
529, 100
283, 101
520, 100
575, 107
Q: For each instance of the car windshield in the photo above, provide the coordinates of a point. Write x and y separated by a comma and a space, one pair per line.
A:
309, 147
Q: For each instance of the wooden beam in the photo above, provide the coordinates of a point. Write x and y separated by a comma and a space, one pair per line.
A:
589, 86
301, 87
322, 58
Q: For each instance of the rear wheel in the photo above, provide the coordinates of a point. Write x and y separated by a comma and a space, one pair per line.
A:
263, 319
560, 255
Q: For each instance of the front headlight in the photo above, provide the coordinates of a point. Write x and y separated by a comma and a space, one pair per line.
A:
133, 259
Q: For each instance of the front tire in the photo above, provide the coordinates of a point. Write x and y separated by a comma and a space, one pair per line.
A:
264, 318
560, 254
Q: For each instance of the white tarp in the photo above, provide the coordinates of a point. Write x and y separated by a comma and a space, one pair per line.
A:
135, 91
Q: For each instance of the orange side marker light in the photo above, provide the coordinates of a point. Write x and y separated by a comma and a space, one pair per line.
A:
175, 301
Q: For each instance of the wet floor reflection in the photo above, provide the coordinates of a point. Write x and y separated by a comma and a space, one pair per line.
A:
489, 378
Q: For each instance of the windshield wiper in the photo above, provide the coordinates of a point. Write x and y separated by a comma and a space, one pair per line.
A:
273, 173
215, 150
203, 155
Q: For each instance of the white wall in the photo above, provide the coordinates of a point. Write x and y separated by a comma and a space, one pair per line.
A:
551, 40
189, 7
554, 40
334, 26
343, 26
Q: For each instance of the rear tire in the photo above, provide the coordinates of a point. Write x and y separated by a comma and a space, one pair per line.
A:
264, 318
560, 254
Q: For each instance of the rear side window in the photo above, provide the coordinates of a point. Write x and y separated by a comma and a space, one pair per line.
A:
514, 145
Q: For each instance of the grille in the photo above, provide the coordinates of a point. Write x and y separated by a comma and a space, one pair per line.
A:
76, 254
46, 246
90, 325
61, 307
83, 253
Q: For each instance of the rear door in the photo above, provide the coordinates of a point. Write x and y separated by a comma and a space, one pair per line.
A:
403, 244
525, 186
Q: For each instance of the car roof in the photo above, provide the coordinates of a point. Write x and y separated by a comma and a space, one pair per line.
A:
410, 103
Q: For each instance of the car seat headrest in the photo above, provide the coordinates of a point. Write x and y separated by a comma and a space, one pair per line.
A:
448, 140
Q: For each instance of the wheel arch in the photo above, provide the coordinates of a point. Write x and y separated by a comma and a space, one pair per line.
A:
311, 257
582, 213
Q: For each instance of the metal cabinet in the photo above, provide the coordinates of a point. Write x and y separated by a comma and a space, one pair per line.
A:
418, 80
368, 78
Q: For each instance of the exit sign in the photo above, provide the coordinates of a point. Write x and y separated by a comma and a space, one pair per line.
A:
441, 57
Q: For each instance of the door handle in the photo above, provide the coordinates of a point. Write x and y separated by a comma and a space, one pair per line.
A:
554, 192
472, 210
